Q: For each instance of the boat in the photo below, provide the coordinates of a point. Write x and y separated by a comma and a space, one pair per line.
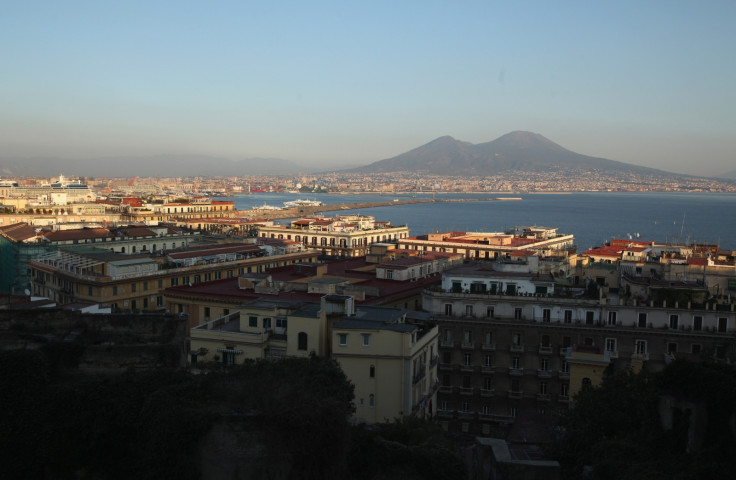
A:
303, 203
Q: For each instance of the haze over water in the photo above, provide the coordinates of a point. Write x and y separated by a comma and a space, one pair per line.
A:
593, 217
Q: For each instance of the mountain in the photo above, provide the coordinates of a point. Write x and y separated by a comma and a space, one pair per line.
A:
160, 165
523, 151
730, 175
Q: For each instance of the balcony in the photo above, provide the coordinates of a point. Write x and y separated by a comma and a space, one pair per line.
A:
544, 397
563, 351
467, 415
447, 413
467, 368
516, 395
516, 372
488, 369
563, 398
484, 392
488, 347
545, 350
446, 367
466, 390
467, 346
544, 373
563, 375
446, 390
640, 356
613, 353
447, 343
517, 348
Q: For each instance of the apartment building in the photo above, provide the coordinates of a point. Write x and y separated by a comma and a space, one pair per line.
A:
133, 282
344, 236
390, 359
541, 241
515, 344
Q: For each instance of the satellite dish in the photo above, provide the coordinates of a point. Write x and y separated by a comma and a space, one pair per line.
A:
27, 292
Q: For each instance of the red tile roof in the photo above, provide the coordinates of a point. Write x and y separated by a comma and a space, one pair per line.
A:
78, 234
18, 232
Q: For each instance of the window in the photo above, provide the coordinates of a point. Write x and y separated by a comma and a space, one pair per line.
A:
671, 347
722, 324
489, 312
466, 381
342, 339
545, 341
516, 338
695, 348
611, 319
641, 347
389, 274
674, 321
448, 309
372, 371
544, 365
488, 338
568, 316
517, 314
266, 324
611, 344
565, 389
466, 408
206, 313
565, 367
133, 287
466, 360
543, 388
566, 342
366, 340
302, 341
467, 336
515, 385
697, 323
145, 286
546, 315
371, 401
642, 322
253, 322
589, 317
115, 290
512, 412
487, 383
89, 290
469, 310
160, 301
488, 360
515, 362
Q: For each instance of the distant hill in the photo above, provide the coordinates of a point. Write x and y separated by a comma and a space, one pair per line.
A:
520, 151
730, 175
160, 165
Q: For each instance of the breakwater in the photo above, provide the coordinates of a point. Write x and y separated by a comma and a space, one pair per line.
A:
302, 211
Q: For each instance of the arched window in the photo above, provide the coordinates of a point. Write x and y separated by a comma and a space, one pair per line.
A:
302, 341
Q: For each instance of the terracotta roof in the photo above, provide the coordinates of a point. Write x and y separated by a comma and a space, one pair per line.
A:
136, 232
18, 232
78, 234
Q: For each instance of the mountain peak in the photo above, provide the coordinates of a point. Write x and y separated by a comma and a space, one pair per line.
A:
524, 139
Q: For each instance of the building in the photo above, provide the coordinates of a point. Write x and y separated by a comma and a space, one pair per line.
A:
21, 242
517, 346
390, 359
134, 281
343, 236
541, 241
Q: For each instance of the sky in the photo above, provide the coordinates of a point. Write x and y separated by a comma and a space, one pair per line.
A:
352, 82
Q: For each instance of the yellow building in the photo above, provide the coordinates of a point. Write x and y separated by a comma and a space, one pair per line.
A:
587, 364
391, 361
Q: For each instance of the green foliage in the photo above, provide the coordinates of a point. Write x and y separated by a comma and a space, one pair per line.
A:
405, 449
615, 428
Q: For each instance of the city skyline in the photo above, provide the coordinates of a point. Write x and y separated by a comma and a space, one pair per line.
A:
338, 85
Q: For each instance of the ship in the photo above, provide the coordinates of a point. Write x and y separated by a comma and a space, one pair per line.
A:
303, 203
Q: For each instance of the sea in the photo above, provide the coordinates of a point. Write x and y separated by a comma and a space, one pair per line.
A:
592, 217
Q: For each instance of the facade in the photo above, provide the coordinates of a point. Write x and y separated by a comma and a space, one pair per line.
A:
542, 241
390, 360
153, 213
344, 236
507, 353
133, 282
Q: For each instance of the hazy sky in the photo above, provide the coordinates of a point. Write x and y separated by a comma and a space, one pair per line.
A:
350, 82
